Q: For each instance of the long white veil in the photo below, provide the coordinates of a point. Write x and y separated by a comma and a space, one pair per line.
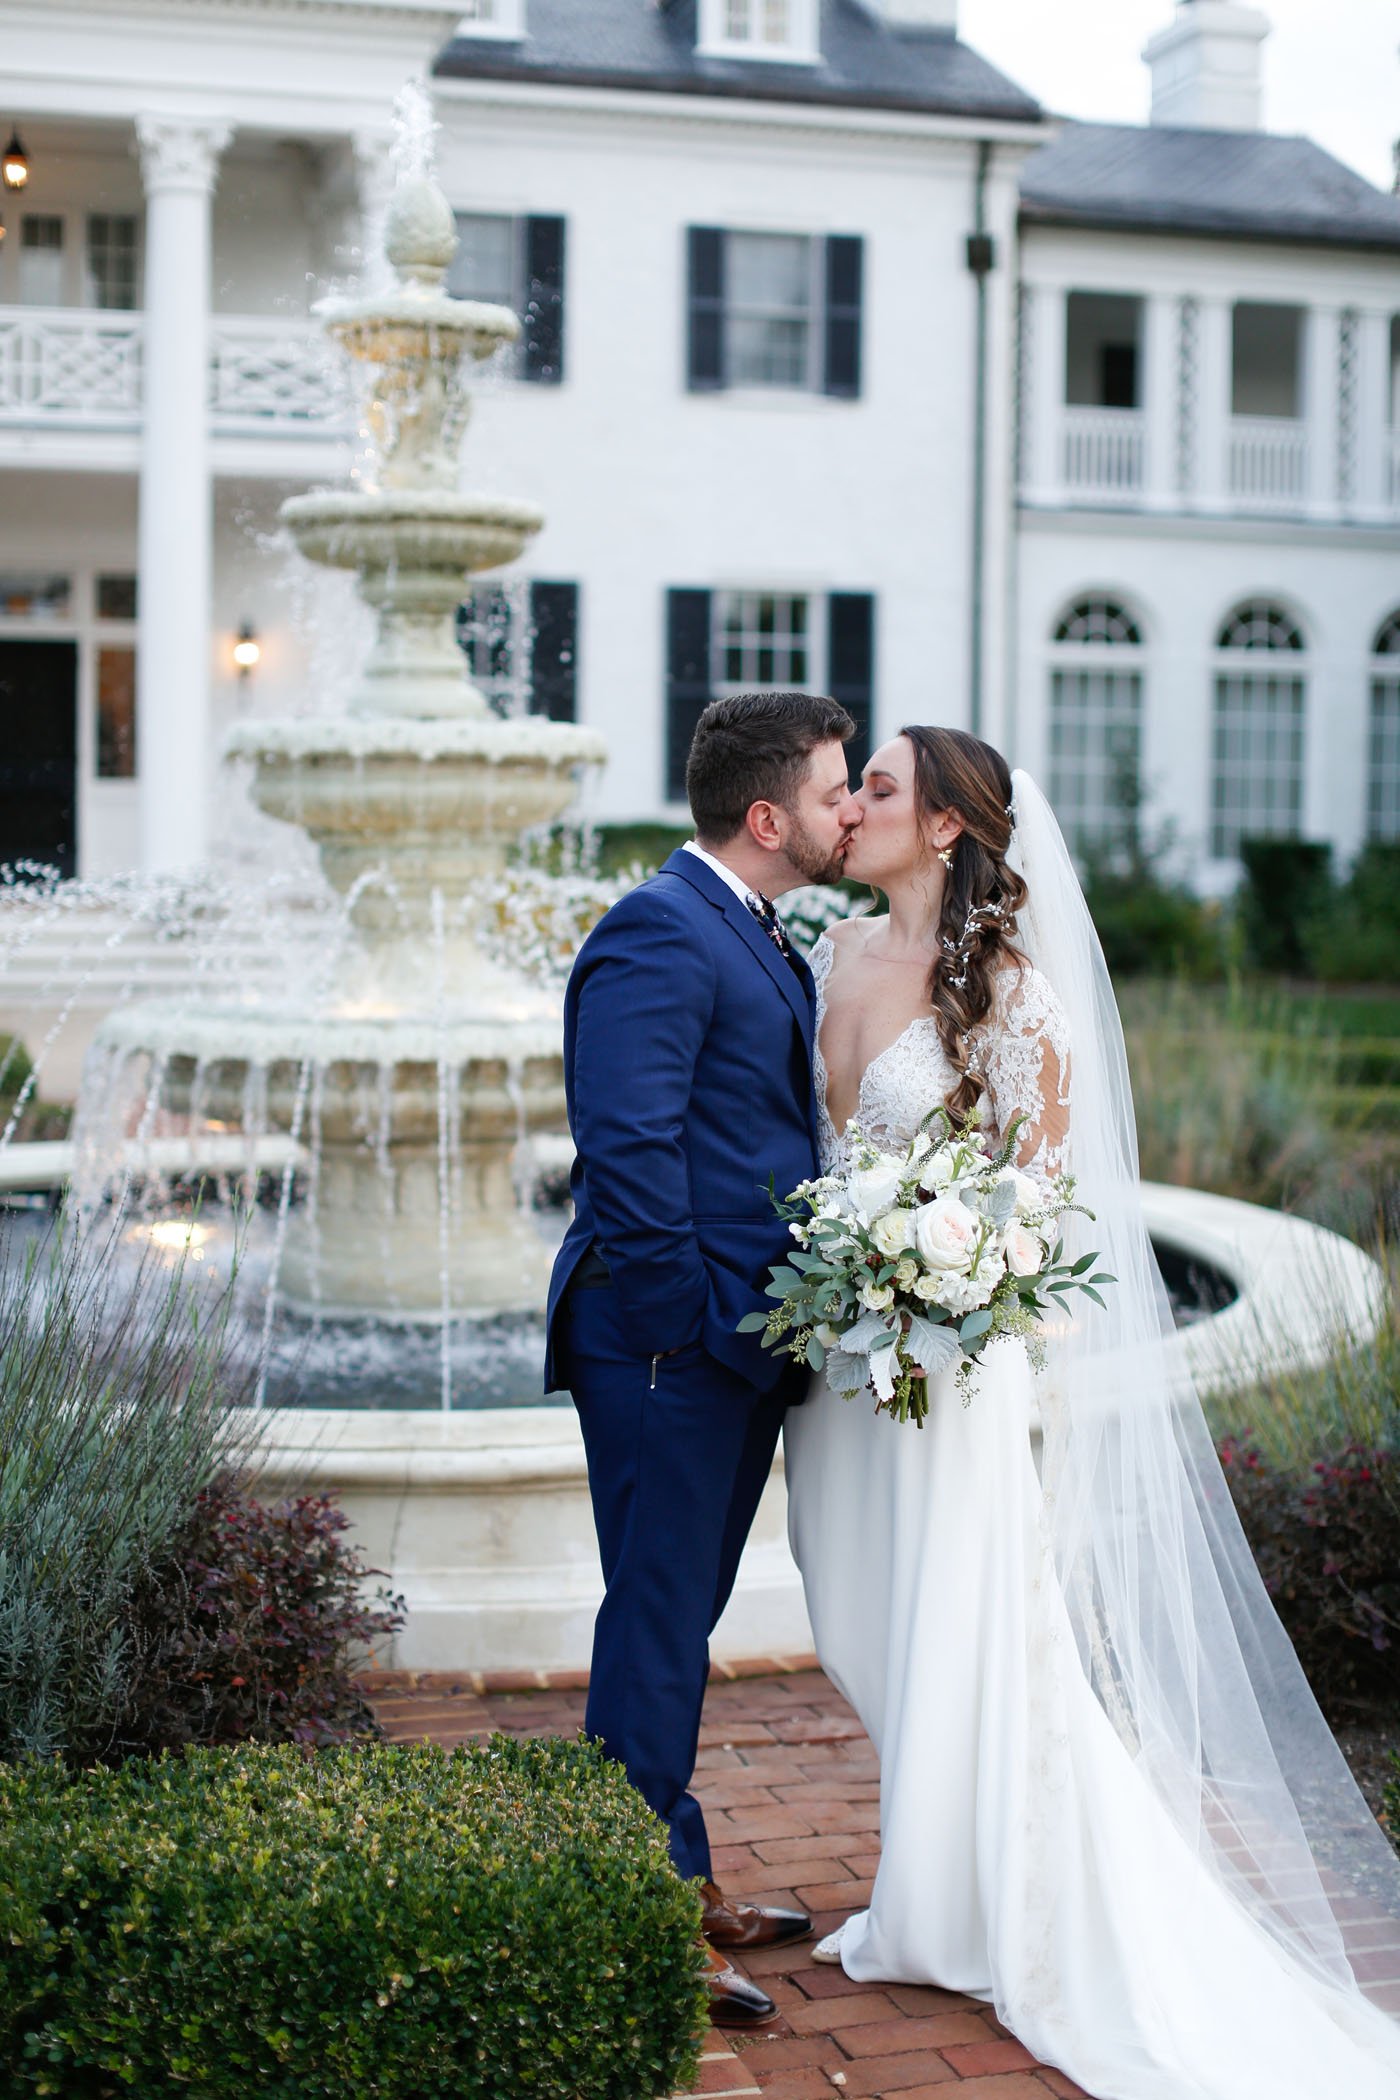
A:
1173, 1623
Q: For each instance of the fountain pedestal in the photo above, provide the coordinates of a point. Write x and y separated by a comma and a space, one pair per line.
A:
412, 1071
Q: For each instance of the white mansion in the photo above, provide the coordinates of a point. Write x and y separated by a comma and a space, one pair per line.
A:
843, 367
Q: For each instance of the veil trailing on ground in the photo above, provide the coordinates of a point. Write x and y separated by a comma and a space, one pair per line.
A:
1174, 1627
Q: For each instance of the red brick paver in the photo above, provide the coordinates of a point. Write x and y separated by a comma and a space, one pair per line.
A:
791, 1794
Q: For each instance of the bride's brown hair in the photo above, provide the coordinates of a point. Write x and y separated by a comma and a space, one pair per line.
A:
981, 896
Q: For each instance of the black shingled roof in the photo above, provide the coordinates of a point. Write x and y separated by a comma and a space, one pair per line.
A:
1234, 184
866, 63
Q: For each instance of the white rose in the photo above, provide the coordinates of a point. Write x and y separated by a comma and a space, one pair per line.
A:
945, 1233
876, 1297
906, 1274
893, 1232
874, 1188
928, 1287
1025, 1254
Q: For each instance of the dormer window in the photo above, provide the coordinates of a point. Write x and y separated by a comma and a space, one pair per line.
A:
781, 29
499, 18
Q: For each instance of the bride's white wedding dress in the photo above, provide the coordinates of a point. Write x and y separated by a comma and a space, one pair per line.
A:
1025, 1859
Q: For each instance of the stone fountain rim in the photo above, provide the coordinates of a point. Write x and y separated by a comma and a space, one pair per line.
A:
413, 506
234, 1035
417, 308
439, 739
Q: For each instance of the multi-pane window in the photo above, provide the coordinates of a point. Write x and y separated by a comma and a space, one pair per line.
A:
1383, 798
111, 259
1096, 724
772, 300
491, 18
519, 263
774, 310
41, 259
759, 28
521, 644
1259, 725
761, 638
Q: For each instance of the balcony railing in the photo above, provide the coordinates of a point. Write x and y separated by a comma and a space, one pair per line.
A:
71, 369
1103, 452
1268, 463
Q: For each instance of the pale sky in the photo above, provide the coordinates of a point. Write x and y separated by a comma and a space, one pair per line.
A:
1331, 67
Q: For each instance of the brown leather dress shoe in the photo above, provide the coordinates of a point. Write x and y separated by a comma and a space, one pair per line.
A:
735, 1926
734, 2001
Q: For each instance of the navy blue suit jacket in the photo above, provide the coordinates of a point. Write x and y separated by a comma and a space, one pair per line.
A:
688, 1071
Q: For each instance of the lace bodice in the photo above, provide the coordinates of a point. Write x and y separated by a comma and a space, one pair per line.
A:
1021, 1053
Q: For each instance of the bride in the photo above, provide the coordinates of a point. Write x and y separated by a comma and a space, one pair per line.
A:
1109, 1804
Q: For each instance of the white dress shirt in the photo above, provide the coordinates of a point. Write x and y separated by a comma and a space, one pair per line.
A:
726, 875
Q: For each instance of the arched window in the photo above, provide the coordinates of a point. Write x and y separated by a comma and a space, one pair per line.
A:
1096, 688
1260, 717
1383, 800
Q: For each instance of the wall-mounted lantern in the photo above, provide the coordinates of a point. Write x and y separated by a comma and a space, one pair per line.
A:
15, 166
247, 650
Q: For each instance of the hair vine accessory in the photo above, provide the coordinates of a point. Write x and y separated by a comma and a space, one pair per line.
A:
959, 952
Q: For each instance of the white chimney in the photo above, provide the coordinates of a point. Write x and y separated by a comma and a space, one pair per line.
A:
920, 14
1208, 67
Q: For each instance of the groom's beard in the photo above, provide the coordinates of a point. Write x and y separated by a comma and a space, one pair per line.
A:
814, 862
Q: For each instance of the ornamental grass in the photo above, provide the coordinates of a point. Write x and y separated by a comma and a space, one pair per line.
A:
114, 1417
385, 1922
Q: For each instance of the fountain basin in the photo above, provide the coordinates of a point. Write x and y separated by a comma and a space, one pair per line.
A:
482, 1519
410, 529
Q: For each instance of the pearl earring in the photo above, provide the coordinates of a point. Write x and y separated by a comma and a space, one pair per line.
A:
945, 854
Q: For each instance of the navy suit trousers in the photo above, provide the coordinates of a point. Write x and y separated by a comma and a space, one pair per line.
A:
675, 1470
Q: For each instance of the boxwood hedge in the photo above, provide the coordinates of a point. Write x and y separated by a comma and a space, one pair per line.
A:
373, 1923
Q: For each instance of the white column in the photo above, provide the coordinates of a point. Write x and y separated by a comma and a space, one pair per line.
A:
1046, 308
1321, 381
1161, 360
179, 164
1374, 435
1215, 379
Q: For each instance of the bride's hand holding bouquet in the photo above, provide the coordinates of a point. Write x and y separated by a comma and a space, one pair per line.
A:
906, 1264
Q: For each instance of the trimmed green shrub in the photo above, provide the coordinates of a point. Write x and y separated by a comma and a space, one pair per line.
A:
1353, 936
113, 1418
1150, 927
16, 1067
254, 1628
1286, 883
383, 1923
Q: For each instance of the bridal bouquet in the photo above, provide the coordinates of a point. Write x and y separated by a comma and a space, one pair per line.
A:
915, 1262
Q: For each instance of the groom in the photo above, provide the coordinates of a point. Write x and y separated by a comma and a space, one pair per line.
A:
688, 1065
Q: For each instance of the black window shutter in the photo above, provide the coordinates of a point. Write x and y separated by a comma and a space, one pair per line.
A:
554, 652
850, 665
845, 275
687, 679
705, 307
544, 301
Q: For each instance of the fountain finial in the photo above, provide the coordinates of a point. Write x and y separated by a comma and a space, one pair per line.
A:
420, 234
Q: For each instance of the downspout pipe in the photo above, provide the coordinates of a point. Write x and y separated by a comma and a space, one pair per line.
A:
981, 261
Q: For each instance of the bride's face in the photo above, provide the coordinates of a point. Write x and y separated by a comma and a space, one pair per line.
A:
889, 844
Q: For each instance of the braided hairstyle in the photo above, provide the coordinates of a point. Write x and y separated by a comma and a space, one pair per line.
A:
981, 896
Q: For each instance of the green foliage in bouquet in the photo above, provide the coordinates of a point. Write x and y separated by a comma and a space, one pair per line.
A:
910, 1265
393, 1921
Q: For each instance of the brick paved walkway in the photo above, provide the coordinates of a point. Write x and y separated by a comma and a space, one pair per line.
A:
791, 1792
791, 1795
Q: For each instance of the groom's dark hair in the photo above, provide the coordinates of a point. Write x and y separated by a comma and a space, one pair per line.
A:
755, 747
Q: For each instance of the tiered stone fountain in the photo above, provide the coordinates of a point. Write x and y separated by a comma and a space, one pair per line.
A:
414, 1071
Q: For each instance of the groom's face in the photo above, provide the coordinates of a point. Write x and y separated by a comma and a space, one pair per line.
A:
821, 819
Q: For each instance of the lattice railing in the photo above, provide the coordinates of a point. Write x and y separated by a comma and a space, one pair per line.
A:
65, 367
273, 373
69, 367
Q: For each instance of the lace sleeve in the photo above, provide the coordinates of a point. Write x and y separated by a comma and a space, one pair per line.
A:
1023, 1057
